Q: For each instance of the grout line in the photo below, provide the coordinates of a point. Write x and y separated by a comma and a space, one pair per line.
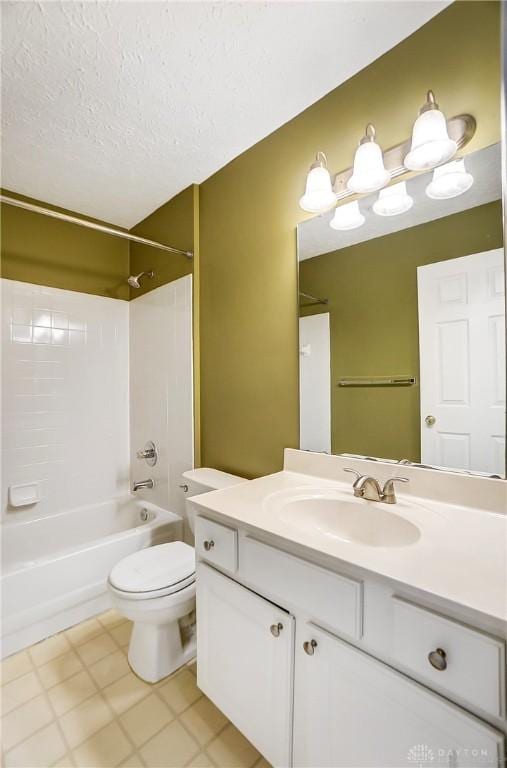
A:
116, 717
96, 733
56, 718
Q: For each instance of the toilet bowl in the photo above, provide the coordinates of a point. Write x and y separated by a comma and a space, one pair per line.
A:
155, 589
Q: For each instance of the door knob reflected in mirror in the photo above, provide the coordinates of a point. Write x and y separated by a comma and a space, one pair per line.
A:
430, 420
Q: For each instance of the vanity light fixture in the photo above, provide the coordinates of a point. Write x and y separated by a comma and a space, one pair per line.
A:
449, 180
369, 172
347, 216
393, 200
319, 195
431, 144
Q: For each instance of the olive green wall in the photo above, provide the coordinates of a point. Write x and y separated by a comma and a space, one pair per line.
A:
249, 212
38, 249
372, 293
171, 224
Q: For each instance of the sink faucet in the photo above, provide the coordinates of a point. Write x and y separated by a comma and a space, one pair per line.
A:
139, 484
368, 488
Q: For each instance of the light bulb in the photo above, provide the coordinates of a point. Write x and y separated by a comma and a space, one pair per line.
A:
431, 144
393, 200
347, 216
449, 180
319, 194
369, 173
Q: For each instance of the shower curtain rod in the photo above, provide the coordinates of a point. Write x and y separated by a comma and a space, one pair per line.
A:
91, 225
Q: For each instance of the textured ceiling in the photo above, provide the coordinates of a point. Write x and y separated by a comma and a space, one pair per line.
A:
112, 108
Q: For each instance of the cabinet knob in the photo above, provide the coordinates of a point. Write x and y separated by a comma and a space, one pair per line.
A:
275, 629
309, 647
209, 545
438, 659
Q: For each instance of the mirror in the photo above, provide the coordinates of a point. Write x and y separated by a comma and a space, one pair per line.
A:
402, 326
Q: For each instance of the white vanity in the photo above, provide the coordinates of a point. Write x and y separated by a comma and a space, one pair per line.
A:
335, 631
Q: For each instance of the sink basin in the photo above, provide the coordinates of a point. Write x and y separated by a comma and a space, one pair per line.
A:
337, 515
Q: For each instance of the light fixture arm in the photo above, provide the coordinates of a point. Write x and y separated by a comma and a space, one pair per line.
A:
431, 103
370, 134
320, 160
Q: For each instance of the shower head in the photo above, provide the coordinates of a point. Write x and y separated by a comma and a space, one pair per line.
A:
133, 280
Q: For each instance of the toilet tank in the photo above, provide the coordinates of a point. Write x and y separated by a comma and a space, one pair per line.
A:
202, 480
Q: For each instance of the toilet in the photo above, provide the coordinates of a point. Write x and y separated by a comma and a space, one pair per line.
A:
155, 589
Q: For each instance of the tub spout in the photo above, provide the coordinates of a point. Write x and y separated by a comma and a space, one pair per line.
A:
139, 484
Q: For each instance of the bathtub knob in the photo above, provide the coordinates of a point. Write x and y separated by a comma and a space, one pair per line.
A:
209, 545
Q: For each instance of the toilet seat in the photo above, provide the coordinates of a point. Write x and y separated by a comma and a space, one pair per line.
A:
154, 572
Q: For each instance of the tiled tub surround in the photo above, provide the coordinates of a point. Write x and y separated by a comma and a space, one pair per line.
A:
54, 569
73, 701
65, 397
65, 414
161, 388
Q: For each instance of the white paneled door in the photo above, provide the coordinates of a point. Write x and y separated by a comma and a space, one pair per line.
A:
315, 383
462, 362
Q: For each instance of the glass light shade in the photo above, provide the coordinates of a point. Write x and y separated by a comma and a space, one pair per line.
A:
347, 216
431, 144
369, 172
319, 195
449, 180
393, 200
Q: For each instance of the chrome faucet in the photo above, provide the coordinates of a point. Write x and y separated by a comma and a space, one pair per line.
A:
140, 484
368, 488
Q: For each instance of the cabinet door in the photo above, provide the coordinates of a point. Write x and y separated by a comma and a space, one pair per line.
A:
245, 650
352, 710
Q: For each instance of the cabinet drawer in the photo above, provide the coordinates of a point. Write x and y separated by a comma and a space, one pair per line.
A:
216, 543
326, 597
472, 664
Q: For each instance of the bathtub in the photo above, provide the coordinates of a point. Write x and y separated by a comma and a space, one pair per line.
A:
54, 569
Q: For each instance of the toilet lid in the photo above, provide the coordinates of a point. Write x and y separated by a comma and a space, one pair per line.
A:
154, 568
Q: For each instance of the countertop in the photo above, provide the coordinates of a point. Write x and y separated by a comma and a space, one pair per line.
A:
461, 555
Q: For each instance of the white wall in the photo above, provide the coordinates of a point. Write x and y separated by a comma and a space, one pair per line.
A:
162, 388
315, 383
65, 396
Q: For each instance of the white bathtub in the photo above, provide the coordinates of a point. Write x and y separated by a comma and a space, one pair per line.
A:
54, 569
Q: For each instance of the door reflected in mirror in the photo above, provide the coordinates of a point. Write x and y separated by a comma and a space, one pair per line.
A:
402, 323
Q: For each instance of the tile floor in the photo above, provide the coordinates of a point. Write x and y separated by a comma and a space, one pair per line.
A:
72, 700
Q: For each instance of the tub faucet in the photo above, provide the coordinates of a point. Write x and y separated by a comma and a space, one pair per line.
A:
140, 484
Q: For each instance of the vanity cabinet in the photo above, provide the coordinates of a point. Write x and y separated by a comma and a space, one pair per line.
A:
352, 710
317, 668
246, 650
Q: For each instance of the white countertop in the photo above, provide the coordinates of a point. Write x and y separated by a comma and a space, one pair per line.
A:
461, 555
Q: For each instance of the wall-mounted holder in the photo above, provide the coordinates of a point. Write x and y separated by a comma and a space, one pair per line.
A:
377, 381
24, 495
312, 299
149, 453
